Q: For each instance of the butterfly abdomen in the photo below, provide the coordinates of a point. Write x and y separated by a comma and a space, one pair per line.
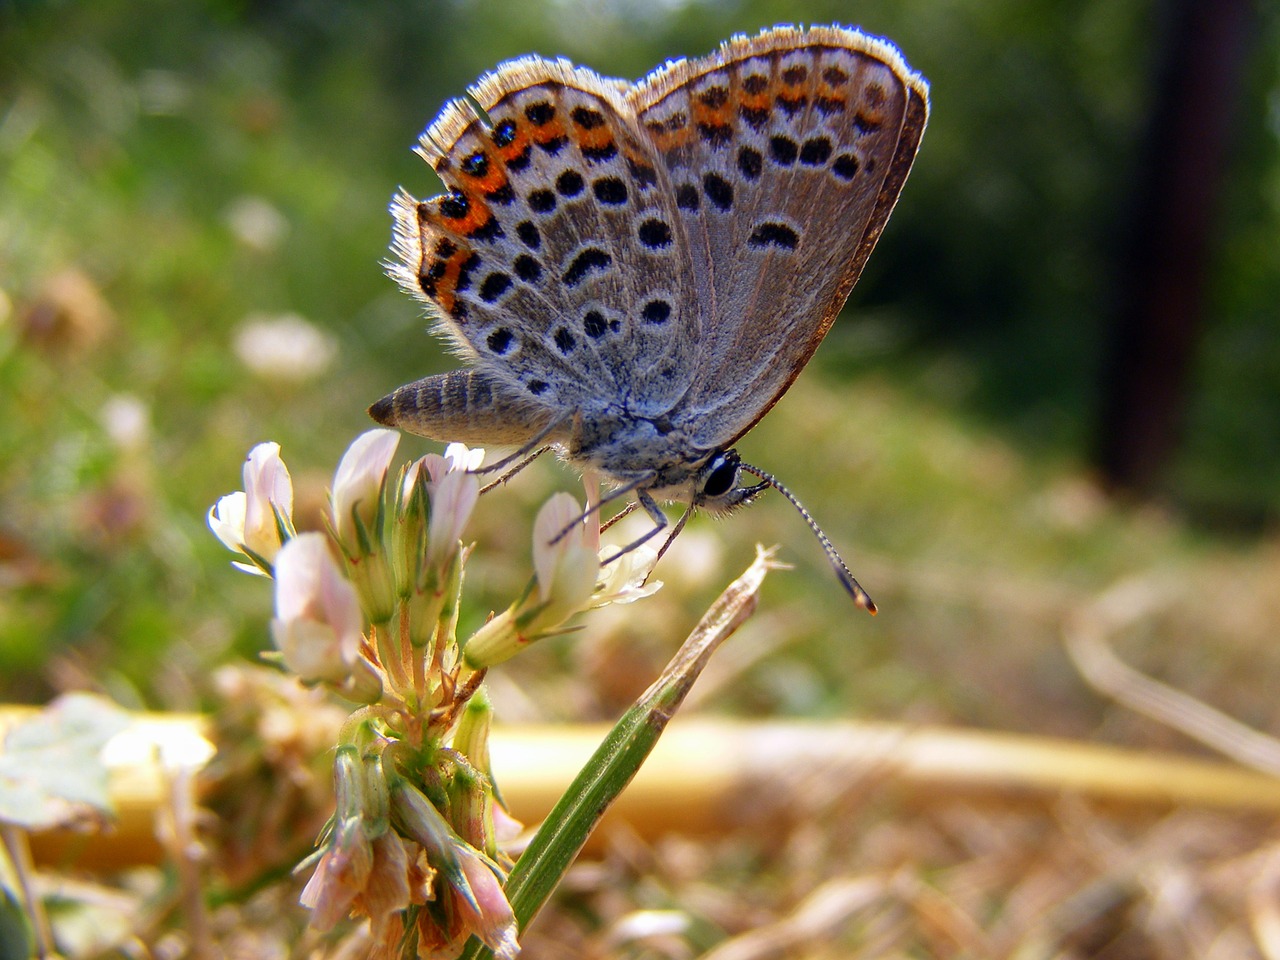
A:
463, 405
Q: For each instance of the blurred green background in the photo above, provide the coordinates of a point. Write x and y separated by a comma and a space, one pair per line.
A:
172, 175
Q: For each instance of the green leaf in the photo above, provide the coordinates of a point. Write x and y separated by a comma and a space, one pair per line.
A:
16, 939
51, 769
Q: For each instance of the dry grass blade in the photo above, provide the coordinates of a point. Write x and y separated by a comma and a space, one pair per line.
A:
1087, 636
821, 914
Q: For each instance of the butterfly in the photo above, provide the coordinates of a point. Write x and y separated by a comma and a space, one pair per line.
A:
636, 273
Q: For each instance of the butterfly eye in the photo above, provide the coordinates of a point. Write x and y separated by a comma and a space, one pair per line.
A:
722, 478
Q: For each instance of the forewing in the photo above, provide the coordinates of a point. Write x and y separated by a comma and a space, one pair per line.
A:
786, 152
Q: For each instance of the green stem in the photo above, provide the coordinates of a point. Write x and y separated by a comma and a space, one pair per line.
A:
389, 653
17, 843
617, 760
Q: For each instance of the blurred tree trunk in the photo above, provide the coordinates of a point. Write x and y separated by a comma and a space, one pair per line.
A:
1164, 262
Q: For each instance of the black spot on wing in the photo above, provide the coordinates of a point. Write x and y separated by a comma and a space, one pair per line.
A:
773, 235
610, 190
656, 312
527, 268
541, 201
588, 260
654, 233
718, 190
500, 341
494, 286
570, 183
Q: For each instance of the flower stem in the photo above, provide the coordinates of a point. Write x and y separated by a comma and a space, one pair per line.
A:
17, 844
415, 657
618, 759
389, 654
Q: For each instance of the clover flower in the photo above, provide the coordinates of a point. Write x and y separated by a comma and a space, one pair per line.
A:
370, 609
318, 625
469, 899
258, 520
358, 498
568, 579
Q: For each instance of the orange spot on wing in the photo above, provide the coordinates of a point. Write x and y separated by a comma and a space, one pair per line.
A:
670, 133
478, 216
598, 139
444, 277
670, 139
447, 286
495, 178
551, 130
518, 145
710, 116
635, 156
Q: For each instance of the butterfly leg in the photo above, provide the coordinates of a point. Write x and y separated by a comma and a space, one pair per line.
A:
660, 523
624, 512
526, 454
508, 474
652, 509
636, 484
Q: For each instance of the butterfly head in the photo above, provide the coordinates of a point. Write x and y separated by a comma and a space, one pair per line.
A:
719, 489
718, 486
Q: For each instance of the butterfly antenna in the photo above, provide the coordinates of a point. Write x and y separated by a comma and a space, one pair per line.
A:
846, 578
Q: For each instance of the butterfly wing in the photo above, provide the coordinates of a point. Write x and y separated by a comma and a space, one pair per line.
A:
786, 152
551, 259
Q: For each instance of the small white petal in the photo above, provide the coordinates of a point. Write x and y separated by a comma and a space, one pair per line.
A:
462, 458
567, 569
226, 520
318, 621
452, 501
411, 478
358, 481
310, 649
266, 484
625, 578
437, 467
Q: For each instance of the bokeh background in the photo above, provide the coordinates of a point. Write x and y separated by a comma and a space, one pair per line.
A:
178, 181
192, 223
